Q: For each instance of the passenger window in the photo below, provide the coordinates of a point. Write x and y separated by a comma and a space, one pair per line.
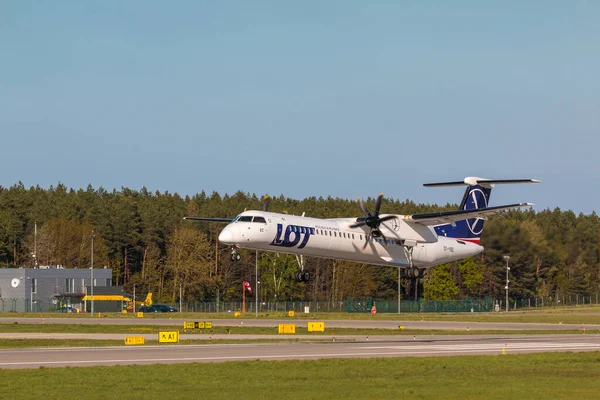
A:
245, 218
353, 236
259, 219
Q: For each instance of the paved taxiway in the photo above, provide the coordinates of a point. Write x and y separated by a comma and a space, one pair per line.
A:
367, 324
382, 346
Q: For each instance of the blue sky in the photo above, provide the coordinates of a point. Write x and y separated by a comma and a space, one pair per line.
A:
311, 98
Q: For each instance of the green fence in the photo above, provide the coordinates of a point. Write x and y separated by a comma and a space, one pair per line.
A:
411, 306
263, 307
350, 305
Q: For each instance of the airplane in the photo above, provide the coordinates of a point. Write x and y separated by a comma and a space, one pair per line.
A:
410, 242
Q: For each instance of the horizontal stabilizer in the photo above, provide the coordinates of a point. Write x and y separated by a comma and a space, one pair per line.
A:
221, 220
448, 217
472, 181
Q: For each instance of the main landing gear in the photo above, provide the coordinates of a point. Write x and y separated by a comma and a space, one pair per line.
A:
302, 275
414, 272
411, 271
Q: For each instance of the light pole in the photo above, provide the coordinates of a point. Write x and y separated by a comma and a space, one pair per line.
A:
256, 285
399, 280
30, 294
34, 254
35, 260
506, 287
92, 275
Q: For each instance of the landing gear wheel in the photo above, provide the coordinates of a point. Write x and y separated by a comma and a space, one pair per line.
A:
302, 276
305, 276
413, 272
235, 256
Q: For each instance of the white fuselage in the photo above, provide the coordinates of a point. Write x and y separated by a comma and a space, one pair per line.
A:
333, 238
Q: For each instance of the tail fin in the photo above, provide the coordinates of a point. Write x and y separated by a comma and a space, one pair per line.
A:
477, 195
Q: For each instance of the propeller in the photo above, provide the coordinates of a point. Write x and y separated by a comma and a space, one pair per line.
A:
371, 220
266, 199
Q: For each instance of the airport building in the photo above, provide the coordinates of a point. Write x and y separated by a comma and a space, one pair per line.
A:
52, 288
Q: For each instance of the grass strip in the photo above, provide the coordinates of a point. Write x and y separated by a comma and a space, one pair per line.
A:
531, 376
549, 316
249, 330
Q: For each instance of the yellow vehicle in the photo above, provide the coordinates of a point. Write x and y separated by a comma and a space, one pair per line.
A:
138, 304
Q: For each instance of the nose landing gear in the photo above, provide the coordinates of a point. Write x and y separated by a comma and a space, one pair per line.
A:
235, 256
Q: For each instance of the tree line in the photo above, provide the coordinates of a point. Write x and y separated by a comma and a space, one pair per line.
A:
142, 237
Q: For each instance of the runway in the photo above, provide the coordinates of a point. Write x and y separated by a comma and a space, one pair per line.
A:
365, 324
382, 346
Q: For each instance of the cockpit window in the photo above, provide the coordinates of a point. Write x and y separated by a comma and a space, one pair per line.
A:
259, 219
235, 219
245, 218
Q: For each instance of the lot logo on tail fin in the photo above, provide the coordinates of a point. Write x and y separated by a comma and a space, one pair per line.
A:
475, 200
475, 197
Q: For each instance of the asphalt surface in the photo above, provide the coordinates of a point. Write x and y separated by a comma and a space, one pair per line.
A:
374, 347
371, 324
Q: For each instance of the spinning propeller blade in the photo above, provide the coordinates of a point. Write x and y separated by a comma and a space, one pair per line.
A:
371, 220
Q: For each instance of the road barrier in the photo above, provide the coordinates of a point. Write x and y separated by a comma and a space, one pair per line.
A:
134, 340
197, 325
287, 329
316, 326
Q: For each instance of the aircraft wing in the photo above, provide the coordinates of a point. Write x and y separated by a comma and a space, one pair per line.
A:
449, 217
221, 220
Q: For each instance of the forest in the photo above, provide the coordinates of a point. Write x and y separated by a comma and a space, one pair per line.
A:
142, 236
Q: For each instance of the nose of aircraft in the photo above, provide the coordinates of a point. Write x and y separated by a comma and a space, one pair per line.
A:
226, 236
